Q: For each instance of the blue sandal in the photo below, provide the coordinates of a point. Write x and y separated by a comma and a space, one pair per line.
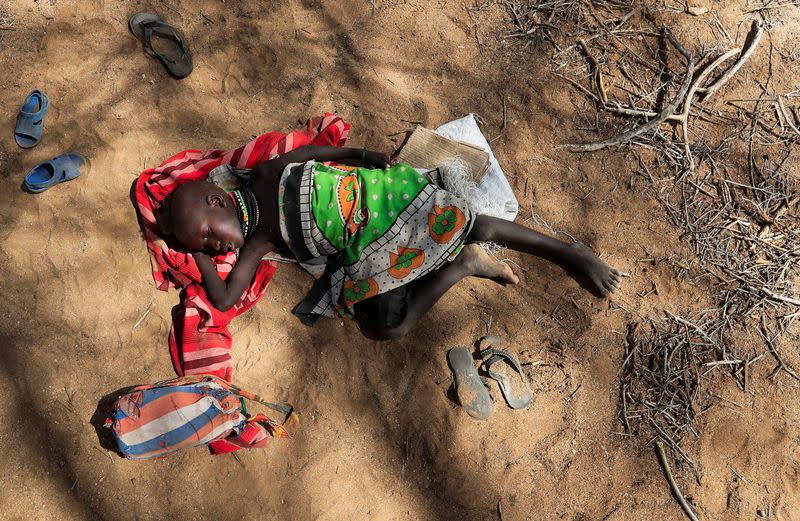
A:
59, 169
30, 122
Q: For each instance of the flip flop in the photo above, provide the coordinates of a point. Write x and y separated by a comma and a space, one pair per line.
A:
58, 170
164, 41
509, 384
30, 122
472, 394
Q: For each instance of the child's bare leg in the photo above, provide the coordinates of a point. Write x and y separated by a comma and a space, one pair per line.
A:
471, 262
576, 258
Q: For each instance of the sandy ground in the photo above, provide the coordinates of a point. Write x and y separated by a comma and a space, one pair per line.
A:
381, 438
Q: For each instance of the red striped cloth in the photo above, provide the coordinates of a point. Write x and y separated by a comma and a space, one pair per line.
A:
253, 436
199, 341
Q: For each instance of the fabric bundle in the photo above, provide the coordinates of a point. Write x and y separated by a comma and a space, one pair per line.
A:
151, 421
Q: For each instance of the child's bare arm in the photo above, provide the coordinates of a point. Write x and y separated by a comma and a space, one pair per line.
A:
322, 154
224, 294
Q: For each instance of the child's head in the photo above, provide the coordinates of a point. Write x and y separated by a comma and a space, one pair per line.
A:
202, 217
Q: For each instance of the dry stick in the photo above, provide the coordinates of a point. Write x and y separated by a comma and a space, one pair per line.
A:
624, 71
753, 37
598, 76
144, 316
793, 111
780, 298
781, 116
687, 105
627, 17
722, 28
668, 111
503, 128
627, 111
625, 409
774, 352
662, 459
776, 6
786, 116
782, 210
578, 86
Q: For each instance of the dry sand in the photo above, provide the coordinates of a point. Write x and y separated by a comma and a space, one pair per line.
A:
381, 437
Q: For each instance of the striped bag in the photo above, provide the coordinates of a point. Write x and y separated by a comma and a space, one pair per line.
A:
155, 420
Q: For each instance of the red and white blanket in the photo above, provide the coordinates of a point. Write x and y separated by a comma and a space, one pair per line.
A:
199, 341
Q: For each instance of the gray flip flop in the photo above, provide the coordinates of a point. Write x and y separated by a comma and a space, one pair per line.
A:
516, 399
137, 21
472, 394
163, 41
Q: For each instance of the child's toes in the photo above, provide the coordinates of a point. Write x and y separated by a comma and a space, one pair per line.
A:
511, 276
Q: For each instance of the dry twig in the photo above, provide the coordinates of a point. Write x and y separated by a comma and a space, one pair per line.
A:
662, 459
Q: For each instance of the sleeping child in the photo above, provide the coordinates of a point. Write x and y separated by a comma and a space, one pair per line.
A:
388, 241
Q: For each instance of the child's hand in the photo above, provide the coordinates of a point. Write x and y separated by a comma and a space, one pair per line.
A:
205, 264
376, 159
203, 261
224, 294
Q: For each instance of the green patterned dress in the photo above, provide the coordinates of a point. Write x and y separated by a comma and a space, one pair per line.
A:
373, 229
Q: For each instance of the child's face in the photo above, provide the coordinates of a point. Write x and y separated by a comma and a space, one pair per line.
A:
204, 218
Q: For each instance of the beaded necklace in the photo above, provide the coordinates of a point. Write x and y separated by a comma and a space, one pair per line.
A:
246, 209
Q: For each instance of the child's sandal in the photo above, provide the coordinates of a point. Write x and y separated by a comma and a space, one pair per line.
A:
30, 122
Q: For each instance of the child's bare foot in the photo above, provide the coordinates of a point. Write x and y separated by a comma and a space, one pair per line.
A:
478, 263
603, 278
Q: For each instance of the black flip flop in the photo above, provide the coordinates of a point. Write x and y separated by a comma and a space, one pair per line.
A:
472, 394
163, 41
492, 356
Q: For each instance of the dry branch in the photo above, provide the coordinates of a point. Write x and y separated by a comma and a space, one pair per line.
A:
750, 44
690, 87
668, 111
687, 104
